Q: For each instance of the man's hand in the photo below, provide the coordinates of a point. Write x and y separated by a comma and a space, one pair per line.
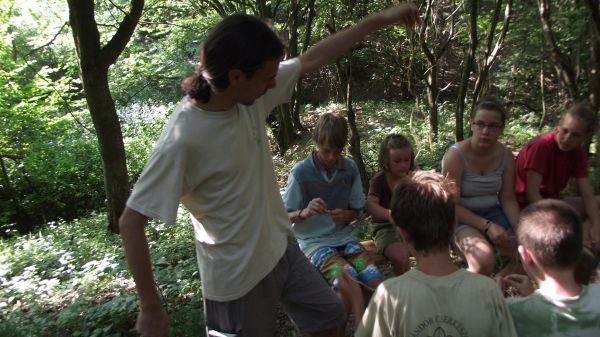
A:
405, 14
152, 322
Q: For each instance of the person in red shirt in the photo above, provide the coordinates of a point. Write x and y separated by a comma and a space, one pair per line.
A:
547, 162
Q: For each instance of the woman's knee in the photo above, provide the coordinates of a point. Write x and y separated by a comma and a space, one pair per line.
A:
482, 263
479, 254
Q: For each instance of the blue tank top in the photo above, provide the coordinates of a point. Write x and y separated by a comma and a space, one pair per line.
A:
480, 192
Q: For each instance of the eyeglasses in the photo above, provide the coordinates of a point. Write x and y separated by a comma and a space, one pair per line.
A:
491, 127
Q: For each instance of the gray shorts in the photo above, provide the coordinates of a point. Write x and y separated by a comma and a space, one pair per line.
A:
295, 284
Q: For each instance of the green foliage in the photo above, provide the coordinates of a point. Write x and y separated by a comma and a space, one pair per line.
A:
141, 125
71, 279
163, 50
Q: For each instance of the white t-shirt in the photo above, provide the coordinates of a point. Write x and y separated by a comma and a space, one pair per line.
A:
415, 304
220, 167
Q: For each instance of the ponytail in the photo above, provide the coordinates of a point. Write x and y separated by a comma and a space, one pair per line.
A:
197, 86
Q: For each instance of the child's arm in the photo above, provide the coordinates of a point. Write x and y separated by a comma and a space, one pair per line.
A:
532, 186
376, 210
590, 205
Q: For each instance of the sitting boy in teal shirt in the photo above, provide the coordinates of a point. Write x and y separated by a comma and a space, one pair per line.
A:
324, 194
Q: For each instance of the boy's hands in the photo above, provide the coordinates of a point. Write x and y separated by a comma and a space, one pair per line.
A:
318, 207
315, 207
339, 216
520, 282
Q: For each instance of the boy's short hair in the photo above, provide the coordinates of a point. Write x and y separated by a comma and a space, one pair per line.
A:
552, 231
332, 130
423, 205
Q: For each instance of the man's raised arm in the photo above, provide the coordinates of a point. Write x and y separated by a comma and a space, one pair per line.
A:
332, 47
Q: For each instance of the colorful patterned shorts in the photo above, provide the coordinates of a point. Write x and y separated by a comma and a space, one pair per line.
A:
351, 257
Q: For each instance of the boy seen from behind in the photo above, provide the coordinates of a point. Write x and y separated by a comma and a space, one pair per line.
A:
550, 234
437, 298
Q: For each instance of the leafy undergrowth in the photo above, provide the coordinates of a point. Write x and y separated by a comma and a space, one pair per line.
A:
70, 279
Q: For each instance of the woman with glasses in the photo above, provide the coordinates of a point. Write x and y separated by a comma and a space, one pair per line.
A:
547, 162
483, 169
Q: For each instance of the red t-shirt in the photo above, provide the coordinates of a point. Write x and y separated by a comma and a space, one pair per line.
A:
542, 155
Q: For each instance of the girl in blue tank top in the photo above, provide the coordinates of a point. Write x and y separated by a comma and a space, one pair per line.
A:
483, 169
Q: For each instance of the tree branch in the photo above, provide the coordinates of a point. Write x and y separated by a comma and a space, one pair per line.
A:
33, 51
115, 46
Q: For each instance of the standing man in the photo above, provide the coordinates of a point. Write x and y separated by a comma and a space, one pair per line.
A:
213, 157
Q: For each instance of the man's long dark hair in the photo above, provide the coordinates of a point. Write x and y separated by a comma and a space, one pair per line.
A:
239, 41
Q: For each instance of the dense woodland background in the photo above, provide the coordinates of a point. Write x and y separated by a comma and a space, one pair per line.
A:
88, 86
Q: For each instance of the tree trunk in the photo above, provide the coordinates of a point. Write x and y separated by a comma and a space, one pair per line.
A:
491, 54
432, 95
543, 96
468, 67
354, 135
299, 87
94, 62
594, 10
562, 63
281, 124
433, 54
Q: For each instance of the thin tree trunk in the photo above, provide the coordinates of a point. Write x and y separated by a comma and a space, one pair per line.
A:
354, 135
433, 55
491, 54
299, 87
543, 96
432, 96
94, 62
468, 68
594, 10
562, 63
